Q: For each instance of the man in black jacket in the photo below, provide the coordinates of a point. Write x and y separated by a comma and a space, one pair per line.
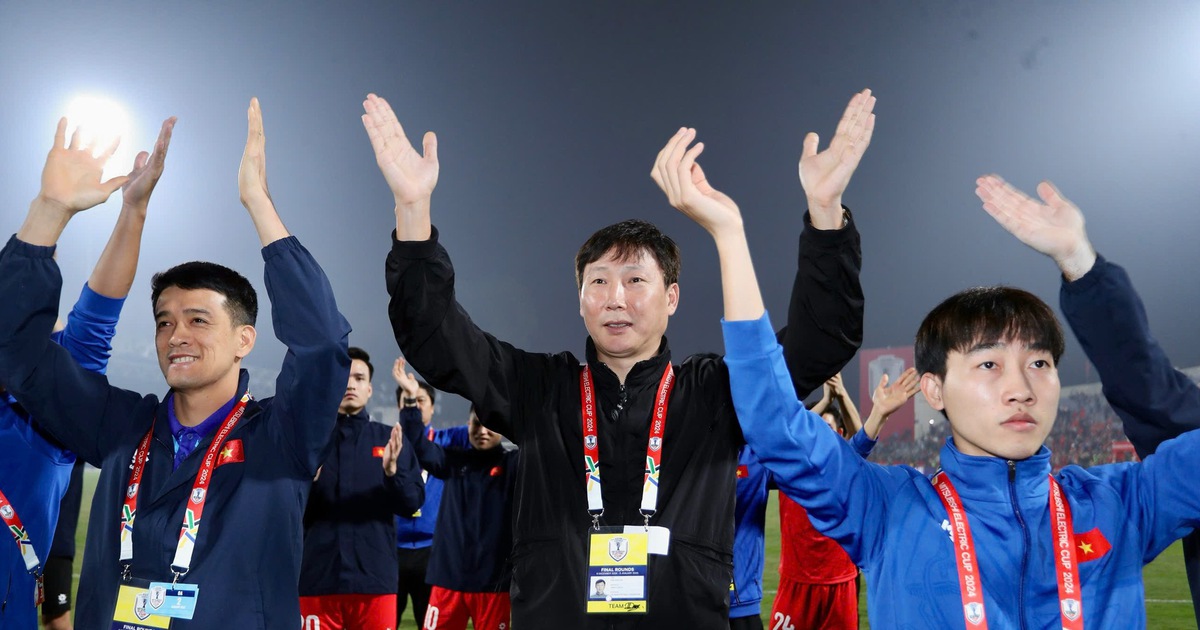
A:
549, 404
348, 575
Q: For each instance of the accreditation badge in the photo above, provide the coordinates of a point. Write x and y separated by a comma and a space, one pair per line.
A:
617, 570
133, 610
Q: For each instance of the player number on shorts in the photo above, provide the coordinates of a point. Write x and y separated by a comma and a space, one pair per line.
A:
311, 622
783, 622
431, 618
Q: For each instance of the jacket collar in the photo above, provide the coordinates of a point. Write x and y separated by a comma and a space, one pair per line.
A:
643, 372
361, 416
987, 478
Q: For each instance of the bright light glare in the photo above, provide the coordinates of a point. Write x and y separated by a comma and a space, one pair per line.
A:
102, 120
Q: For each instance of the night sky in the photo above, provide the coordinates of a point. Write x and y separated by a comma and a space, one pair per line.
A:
550, 114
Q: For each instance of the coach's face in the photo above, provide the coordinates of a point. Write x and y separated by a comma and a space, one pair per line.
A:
625, 305
197, 342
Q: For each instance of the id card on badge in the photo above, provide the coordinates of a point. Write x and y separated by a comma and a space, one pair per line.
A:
133, 609
176, 600
617, 571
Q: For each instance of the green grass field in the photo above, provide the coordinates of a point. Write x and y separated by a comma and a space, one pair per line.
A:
1168, 607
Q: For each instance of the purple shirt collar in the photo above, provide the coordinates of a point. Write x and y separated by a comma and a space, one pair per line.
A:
200, 431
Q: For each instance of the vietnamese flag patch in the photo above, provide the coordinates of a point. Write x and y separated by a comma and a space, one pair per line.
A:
496, 471
1091, 545
231, 453
743, 471
377, 451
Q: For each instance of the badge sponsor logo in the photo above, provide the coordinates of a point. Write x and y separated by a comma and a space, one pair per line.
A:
158, 596
590, 441
139, 607
197, 495
974, 612
618, 548
6, 511
132, 490
655, 443
1070, 608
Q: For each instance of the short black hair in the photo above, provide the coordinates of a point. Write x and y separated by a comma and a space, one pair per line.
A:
983, 315
241, 301
423, 385
361, 355
627, 240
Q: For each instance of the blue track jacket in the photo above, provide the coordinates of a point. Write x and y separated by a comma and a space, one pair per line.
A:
749, 517
415, 531
247, 556
1155, 401
889, 519
348, 526
34, 468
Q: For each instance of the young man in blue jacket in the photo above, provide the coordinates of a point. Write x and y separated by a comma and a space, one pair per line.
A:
207, 486
36, 468
993, 538
347, 577
1155, 401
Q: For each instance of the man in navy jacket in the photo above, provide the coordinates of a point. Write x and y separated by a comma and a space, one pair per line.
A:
1155, 401
348, 576
201, 495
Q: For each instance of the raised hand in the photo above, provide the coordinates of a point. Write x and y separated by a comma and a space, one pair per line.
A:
252, 180
252, 173
71, 177
147, 168
679, 176
826, 174
411, 176
1053, 227
887, 398
391, 451
405, 379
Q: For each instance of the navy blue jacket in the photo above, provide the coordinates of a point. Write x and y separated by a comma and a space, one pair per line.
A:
247, 556
1155, 401
349, 533
415, 530
473, 538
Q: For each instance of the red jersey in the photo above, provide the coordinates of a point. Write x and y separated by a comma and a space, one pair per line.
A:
806, 555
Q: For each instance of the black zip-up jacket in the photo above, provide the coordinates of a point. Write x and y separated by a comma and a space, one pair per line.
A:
349, 522
534, 400
473, 535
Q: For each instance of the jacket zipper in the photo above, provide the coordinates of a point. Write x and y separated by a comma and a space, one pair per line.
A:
624, 398
1012, 493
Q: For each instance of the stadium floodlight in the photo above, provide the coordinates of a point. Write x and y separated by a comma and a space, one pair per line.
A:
102, 120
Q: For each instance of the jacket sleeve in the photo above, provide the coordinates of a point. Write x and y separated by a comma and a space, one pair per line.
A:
91, 326
453, 437
75, 405
428, 453
1162, 493
405, 490
862, 444
316, 366
439, 339
846, 497
825, 316
1155, 401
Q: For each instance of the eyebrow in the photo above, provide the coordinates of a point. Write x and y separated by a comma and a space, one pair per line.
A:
186, 311
995, 345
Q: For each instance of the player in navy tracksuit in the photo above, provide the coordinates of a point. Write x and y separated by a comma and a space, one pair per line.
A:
347, 577
468, 567
243, 529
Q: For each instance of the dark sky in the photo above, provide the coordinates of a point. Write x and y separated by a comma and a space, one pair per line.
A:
550, 114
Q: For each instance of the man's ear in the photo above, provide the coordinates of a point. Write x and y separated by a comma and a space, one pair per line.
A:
931, 387
672, 298
246, 338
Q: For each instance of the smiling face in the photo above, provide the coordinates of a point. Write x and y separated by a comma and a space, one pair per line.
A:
197, 343
482, 438
358, 388
625, 304
1001, 398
